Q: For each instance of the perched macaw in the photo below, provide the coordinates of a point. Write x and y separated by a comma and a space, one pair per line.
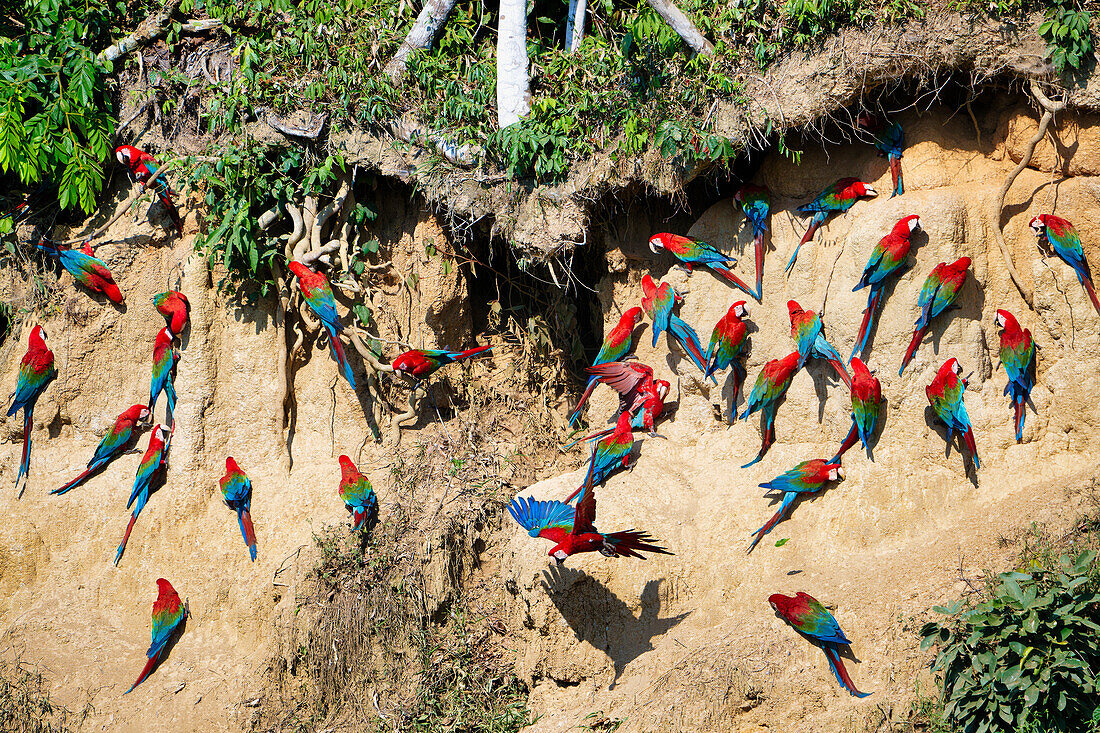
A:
811, 619
422, 363
945, 394
318, 294
809, 336
755, 202
175, 308
939, 291
609, 454
1018, 358
728, 348
692, 252
867, 405
890, 142
165, 358
36, 371
168, 613
358, 496
1064, 240
237, 490
572, 529
85, 268
114, 444
144, 168
658, 302
837, 198
807, 477
887, 258
616, 345
151, 470
640, 395
769, 390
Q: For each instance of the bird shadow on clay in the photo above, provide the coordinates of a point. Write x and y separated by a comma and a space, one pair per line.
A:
599, 617
825, 378
954, 445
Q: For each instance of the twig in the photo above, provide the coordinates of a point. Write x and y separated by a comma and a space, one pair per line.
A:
122, 210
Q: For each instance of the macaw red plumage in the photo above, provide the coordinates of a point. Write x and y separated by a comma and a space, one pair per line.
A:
609, 454
811, 619
807, 477
317, 292
143, 167
422, 363
768, 392
938, 292
358, 496
237, 491
809, 336
1018, 358
169, 613
85, 268
36, 371
658, 303
945, 394
616, 345
890, 142
691, 252
175, 308
836, 198
114, 444
1066, 243
866, 409
728, 348
755, 203
152, 469
165, 358
640, 395
887, 258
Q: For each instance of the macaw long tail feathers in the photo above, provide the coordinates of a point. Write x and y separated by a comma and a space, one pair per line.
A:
733, 279
895, 173
758, 243
841, 674
851, 439
81, 478
25, 460
1092, 292
788, 499
918, 335
145, 671
339, 355
247, 531
1018, 416
689, 342
631, 543
473, 352
122, 546
584, 398
971, 446
865, 326
170, 393
838, 367
765, 443
173, 212
790, 263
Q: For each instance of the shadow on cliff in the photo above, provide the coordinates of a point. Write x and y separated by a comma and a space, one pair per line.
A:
955, 442
599, 617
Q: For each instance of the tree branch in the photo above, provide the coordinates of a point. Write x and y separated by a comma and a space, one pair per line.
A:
153, 27
428, 25
683, 26
141, 189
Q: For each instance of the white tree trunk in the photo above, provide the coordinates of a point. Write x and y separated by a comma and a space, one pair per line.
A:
682, 25
428, 24
512, 65
574, 24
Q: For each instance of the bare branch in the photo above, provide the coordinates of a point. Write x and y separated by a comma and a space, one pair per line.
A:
683, 26
428, 25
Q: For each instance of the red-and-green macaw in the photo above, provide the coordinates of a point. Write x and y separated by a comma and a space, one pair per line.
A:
807, 477
422, 363
175, 308
836, 199
939, 291
165, 358
867, 406
85, 268
755, 202
168, 615
36, 371
1064, 240
237, 491
358, 496
640, 395
318, 294
728, 348
692, 252
945, 394
144, 168
658, 303
609, 454
151, 471
768, 392
809, 336
572, 530
811, 619
1018, 359
115, 443
887, 259
890, 142
616, 345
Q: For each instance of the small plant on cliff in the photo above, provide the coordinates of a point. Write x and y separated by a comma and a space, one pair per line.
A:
25, 704
1068, 35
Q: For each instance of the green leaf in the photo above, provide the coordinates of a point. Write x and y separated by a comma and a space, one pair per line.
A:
782, 542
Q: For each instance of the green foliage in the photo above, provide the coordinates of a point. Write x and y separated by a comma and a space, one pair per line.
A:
1027, 657
25, 704
55, 116
1068, 35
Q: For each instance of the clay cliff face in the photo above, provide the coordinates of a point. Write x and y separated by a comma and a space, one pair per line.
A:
689, 642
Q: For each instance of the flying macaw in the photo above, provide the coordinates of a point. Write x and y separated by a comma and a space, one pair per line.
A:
237, 490
945, 394
728, 348
807, 477
144, 168
318, 294
358, 496
755, 202
769, 390
887, 258
422, 363
939, 291
1064, 240
1018, 358
658, 302
811, 619
85, 268
640, 395
572, 529
175, 308
165, 358
692, 252
837, 198
616, 345
151, 470
867, 405
809, 336
36, 371
609, 454
168, 613
114, 444
890, 142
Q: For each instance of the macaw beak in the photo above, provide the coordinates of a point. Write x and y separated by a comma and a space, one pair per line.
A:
870, 192
656, 249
